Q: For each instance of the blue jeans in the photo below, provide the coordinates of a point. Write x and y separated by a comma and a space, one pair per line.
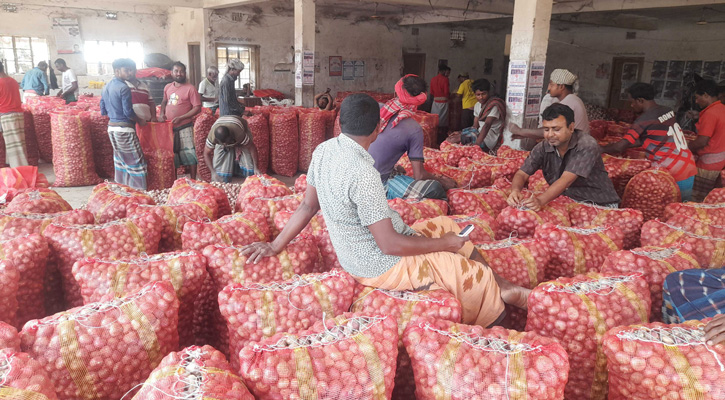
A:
686, 188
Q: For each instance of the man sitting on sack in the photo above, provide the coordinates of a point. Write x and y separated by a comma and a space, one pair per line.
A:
229, 133
371, 240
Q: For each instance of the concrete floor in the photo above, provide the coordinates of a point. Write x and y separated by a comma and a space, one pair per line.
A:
78, 196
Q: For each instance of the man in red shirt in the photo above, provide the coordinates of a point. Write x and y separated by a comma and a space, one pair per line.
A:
710, 143
440, 91
657, 131
12, 120
181, 103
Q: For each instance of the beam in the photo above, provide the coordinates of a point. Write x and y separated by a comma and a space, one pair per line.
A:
446, 16
624, 21
216, 4
576, 6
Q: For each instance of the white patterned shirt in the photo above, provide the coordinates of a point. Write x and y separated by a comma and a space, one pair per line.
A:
352, 197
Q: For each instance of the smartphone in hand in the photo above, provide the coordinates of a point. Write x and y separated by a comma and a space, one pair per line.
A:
466, 230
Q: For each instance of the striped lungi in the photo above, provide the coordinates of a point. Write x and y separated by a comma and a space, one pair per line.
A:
128, 160
12, 127
704, 183
405, 187
440, 108
184, 149
693, 294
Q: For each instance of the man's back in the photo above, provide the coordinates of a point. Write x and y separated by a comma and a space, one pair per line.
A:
581, 120
440, 86
10, 96
393, 142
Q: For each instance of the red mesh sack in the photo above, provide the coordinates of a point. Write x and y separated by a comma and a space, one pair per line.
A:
109, 201
708, 250
578, 250
628, 220
429, 124
41, 122
260, 186
508, 152
114, 240
202, 126
39, 200
577, 312
13, 225
653, 264
284, 138
522, 222
460, 362
256, 311
269, 206
352, 356
174, 218
477, 201
658, 361
598, 129
709, 213
103, 280
102, 147
29, 255
404, 307
412, 210
457, 152
317, 229
194, 373
650, 192
622, 170
312, 127
697, 226
9, 338
715, 196
103, 350
157, 144
21, 377
9, 284
73, 162
301, 184
231, 230
259, 126
336, 131
403, 162
186, 190
485, 226
537, 183
31, 140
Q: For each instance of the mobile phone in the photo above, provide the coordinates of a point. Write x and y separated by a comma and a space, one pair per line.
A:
466, 230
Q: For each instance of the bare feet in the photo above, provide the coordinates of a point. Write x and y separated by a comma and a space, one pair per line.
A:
512, 294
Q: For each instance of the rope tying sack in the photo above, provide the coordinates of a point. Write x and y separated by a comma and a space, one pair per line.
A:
593, 286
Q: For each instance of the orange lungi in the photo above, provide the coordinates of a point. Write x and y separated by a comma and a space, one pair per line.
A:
471, 282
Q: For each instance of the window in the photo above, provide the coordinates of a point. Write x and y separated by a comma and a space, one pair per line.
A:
20, 53
248, 55
100, 54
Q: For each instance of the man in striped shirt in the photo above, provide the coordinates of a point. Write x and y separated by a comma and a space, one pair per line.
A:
657, 131
228, 134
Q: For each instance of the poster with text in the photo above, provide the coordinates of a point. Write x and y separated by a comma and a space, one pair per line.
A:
335, 66
359, 69
536, 76
533, 103
517, 73
348, 70
67, 35
516, 99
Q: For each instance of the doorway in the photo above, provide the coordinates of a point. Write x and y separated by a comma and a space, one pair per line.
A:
414, 63
625, 72
194, 74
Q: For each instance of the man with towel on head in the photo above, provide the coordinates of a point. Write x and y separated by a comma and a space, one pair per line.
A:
220, 154
401, 134
562, 86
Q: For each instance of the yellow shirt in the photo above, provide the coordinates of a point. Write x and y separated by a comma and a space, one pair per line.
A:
469, 98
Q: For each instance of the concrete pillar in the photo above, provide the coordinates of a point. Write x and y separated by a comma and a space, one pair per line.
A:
208, 49
529, 42
304, 42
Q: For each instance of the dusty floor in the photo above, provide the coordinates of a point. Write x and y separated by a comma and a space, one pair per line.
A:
77, 196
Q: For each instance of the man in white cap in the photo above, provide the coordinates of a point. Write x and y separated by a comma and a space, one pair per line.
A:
562, 85
228, 102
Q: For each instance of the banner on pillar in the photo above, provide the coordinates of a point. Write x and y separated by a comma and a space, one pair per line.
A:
298, 70
308, 68
533, 103
517, 73
516, 93
536, 76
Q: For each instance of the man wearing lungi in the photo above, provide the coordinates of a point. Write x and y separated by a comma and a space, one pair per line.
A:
128, 160
220, 154
371, 240
12, 120
181, 103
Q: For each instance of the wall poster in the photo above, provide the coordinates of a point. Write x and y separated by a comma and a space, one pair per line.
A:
67, 35
348, 70
335, 66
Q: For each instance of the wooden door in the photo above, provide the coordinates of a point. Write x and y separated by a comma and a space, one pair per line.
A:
625, 72
414, 63
194, 74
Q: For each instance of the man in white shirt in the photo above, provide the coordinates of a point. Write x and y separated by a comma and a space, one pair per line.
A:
69, 88
209, 89
561, 87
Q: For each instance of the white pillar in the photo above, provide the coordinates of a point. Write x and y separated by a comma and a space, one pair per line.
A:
304, 43
529, 42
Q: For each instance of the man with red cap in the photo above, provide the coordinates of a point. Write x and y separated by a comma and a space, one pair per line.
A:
401, 134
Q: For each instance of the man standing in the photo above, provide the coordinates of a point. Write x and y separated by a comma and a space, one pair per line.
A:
181, 103
440, 91
401, 134
35, 82
571, 161
710, 142
226, 135
228, 102
371, 240
128, 158
209, 91
143, 103
12, 120
468, 99
658, 132
69, 82
561, 86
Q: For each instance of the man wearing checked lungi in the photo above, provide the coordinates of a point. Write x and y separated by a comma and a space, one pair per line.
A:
181, 103
373, 243
228, 134
128, 159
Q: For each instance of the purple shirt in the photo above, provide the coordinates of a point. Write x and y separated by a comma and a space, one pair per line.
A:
392, 143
